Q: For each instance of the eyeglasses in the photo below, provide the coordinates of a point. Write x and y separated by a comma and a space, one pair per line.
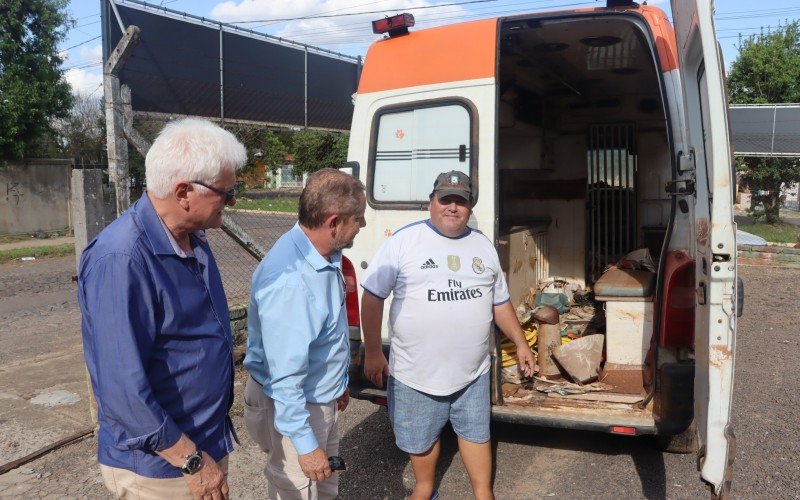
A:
229, 195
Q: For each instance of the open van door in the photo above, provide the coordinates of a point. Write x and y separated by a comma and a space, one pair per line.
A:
706, 114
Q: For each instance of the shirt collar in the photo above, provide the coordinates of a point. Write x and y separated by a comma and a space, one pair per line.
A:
177, 248
162, 240
307, 250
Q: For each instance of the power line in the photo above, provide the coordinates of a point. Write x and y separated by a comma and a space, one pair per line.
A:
82, 43
320, 16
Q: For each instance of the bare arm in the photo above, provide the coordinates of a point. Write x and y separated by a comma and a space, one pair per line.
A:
507, 321
209, 482
375, 364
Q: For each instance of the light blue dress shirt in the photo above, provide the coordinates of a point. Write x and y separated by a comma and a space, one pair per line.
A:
297, 346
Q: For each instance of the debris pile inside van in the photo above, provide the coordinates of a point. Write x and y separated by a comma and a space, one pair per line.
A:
582, 316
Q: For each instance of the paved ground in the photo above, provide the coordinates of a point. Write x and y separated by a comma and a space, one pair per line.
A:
41, 365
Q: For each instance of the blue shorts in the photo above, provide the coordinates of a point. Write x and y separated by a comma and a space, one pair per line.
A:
418, 418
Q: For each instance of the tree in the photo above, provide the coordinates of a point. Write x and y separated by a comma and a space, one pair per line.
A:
263, 147
767, 70
32, 88
315, 149
82, 134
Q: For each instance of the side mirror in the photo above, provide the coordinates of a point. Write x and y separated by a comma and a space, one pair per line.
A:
352, 167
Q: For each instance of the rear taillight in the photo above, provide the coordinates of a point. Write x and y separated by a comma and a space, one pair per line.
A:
627, 431
677, 316
349, 272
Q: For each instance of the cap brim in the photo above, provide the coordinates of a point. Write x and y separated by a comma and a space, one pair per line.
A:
457, 192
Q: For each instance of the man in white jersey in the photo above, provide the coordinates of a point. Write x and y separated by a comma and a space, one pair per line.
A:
448, 287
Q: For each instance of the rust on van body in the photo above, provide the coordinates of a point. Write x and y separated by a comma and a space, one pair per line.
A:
702, 232
719, 355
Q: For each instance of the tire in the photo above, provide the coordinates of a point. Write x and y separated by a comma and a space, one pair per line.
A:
685, 442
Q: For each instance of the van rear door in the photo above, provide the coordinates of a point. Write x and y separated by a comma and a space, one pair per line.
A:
705, 107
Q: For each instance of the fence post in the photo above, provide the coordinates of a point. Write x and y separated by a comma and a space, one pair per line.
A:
115, 136
88, 221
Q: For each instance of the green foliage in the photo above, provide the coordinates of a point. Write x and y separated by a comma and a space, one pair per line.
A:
315, 149
32, 88
767, 71
775, 233
767, 175
768, 68
282, 204
263, 146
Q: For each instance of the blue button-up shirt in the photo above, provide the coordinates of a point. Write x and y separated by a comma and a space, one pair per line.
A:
157, 343
297, 345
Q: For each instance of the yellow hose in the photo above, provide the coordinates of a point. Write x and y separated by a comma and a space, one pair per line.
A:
509, 351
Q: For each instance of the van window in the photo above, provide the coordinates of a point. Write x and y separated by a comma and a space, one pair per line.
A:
414, 145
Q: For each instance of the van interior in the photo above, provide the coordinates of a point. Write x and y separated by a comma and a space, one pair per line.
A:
583, 159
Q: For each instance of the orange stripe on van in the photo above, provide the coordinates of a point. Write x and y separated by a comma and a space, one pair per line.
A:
452, 53
664, 37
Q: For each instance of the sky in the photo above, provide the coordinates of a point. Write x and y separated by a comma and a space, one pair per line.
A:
345, 25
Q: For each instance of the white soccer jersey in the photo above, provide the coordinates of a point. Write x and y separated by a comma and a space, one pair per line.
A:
442, 309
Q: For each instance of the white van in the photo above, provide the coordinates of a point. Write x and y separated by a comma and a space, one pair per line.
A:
588, 134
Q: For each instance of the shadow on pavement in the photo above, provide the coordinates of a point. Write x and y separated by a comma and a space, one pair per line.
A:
366, 460
647, 458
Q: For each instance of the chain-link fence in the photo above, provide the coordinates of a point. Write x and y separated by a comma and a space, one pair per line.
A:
236, 265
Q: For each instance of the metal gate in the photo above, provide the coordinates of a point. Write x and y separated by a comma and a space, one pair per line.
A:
610, 195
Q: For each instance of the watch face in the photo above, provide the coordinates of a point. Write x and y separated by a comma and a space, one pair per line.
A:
193, 463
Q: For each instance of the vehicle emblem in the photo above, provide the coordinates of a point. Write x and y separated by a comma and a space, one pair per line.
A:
453, 262
477, 265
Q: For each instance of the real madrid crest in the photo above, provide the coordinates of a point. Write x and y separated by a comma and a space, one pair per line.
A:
477, 265
453, 263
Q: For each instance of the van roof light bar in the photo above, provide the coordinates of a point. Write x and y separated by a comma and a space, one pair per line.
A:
395, 25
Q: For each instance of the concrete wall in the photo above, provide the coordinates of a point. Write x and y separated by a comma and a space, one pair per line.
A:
35, 196
770, 255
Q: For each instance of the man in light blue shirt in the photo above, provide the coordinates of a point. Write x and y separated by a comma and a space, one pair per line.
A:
297, 348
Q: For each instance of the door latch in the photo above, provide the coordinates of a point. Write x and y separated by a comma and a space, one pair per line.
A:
680, 187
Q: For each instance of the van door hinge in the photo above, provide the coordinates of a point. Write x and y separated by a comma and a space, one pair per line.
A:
686, 162
674, 188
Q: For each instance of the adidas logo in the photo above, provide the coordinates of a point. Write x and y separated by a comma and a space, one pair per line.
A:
429, 264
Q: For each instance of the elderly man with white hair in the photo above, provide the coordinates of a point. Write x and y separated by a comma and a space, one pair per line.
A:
156, 331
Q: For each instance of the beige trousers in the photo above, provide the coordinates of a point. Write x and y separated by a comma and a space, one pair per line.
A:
285, 478
128, 485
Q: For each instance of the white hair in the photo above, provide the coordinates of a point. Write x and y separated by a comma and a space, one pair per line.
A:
191, 150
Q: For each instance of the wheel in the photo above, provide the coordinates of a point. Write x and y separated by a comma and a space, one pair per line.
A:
685, 442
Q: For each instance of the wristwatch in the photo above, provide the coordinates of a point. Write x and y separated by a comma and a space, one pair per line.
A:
193, 463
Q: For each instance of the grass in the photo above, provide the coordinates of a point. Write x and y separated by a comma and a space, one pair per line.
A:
775, 233
25, 237
53, 251
285, 205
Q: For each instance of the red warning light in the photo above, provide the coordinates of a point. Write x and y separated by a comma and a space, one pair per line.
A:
395, 25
